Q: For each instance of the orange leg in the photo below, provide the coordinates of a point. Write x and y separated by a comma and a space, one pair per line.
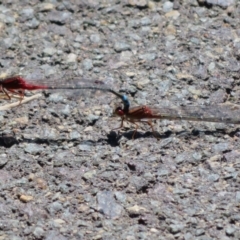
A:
134, 122
5, 91
149, 122
20, 92
121, 126
135, 129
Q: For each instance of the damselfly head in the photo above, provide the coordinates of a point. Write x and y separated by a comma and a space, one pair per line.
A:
118, 112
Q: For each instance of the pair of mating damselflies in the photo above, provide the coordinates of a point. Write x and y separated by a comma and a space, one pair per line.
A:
227, 113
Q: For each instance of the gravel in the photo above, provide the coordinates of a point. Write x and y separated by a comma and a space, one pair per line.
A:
65, 174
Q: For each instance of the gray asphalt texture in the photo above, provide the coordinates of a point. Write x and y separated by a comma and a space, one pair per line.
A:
65, 174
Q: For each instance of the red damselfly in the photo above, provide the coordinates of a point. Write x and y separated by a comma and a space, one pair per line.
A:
226, 113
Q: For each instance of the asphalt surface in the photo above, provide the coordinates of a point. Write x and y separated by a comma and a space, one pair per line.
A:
65, 174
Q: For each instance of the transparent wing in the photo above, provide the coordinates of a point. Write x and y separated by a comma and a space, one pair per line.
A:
227, 113
68, 83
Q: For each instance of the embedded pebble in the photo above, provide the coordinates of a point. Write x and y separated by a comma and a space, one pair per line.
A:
87, 64
230, 230
59, 17
138, 3
238, 197
27, 13
49, 51
167, 6
121, 46
3, 159
25, 198
107, 205
95, 38
175, 228
45, 7
71, 58
38, 232
33, 149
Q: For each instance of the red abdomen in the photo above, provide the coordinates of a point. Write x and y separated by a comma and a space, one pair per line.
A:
17, 82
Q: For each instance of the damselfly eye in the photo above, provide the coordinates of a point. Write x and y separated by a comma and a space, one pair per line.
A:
119, 111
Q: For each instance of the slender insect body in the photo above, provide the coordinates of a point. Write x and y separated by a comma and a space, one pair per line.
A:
16, 85
226, 113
